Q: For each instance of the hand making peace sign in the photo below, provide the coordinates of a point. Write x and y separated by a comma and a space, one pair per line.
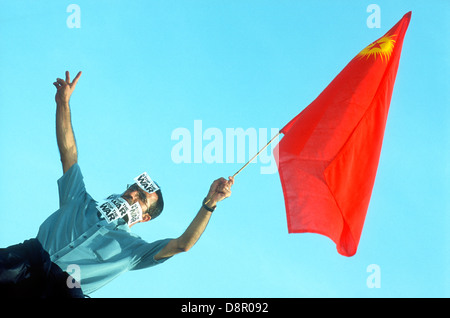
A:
65, 88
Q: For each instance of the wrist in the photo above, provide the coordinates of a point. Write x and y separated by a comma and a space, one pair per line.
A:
62, 103
209, 204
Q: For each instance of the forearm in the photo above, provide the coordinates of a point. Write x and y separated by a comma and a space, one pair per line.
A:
194, 230
65, 136
220, 189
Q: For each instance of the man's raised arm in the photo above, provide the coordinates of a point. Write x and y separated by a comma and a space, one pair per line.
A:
219, 190
64, 132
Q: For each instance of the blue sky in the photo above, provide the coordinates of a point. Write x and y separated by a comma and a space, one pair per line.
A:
151, 68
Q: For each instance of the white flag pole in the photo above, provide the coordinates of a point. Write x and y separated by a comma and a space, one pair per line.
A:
257, 154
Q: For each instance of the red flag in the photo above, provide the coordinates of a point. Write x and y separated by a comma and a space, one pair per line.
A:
328, 157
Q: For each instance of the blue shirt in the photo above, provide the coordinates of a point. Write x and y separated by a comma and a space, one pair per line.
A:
75, 235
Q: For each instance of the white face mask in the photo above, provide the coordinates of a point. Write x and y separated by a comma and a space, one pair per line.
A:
116, 207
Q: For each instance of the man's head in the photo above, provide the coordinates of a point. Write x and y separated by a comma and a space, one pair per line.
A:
152, 204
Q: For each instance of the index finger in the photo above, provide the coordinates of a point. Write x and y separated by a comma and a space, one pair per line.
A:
75, 80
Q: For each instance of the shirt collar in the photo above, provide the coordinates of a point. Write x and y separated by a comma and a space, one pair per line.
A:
121, 224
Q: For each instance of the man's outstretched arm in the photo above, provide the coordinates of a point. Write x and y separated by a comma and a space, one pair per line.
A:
64, 132
220, 189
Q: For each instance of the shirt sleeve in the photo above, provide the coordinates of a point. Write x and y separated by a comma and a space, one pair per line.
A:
71, 185
145, 254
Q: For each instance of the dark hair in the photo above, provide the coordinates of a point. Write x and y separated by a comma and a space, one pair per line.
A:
156, 208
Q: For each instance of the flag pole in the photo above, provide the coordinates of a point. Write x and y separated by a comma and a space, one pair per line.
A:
257, 154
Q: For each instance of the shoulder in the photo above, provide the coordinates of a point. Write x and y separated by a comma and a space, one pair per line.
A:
148, 254
71, 184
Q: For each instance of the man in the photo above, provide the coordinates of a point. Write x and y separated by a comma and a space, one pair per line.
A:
78, 238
